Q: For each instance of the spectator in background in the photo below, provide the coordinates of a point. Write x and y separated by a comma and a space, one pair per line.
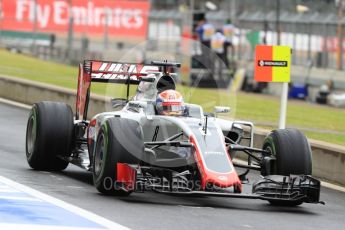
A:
205, 30
218, 45
52, 40
229, 32
218, 41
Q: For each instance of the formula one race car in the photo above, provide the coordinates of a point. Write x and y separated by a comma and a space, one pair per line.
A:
157, 142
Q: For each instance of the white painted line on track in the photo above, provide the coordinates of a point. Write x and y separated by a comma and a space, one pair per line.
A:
323, 183
14, 103
20, 198
39, 227
59, 203
8, 189
332, 186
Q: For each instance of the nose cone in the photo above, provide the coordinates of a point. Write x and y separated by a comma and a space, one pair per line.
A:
221, 180
215, 168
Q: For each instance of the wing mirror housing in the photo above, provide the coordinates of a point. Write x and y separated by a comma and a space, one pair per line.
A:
221, 109
138, 104
117, 103
148, 79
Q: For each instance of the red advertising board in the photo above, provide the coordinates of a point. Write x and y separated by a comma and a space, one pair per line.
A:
331, 44
92, 17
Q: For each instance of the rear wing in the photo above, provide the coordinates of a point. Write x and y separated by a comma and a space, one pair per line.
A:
112, 72
115, 72
106, 72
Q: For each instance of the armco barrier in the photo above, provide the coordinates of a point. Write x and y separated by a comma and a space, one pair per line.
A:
29, 92
328, 159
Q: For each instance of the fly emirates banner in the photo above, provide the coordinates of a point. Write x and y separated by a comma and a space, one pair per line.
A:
94, 17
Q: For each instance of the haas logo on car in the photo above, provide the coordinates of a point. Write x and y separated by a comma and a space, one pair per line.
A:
112, 71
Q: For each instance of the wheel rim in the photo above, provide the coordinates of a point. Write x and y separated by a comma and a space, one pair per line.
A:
269, 149
269, 146
99, 156
31, 136
272, 152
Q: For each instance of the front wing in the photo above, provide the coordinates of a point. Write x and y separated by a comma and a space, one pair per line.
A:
273, 188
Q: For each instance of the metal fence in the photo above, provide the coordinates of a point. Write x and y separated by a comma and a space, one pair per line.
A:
312, 37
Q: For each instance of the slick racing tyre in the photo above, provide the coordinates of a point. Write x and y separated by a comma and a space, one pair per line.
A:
293, 155
292, 151
49, 133
119, 140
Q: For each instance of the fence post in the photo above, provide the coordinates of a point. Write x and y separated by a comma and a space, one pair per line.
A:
309, 25
294, 46
106, 28
1, 18
340, 36
34, 29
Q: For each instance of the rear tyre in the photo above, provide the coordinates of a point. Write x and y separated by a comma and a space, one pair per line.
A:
293, 155
49, 133
118, 141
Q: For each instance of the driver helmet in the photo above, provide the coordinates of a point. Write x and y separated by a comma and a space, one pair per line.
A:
170, 103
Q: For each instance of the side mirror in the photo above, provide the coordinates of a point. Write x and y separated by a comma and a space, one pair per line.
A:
148, 79
118, 102
138, 104
221, 109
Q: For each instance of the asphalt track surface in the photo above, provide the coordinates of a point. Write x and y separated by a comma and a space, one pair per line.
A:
158, 211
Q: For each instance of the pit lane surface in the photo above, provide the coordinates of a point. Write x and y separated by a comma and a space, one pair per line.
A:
157, 211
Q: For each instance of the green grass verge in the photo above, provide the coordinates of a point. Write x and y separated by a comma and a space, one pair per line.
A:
264, 110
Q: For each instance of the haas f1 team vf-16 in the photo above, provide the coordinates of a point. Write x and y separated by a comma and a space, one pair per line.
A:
136, 148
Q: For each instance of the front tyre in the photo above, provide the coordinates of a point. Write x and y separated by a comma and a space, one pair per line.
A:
292, 154
291, 150
49, 134
118, 141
